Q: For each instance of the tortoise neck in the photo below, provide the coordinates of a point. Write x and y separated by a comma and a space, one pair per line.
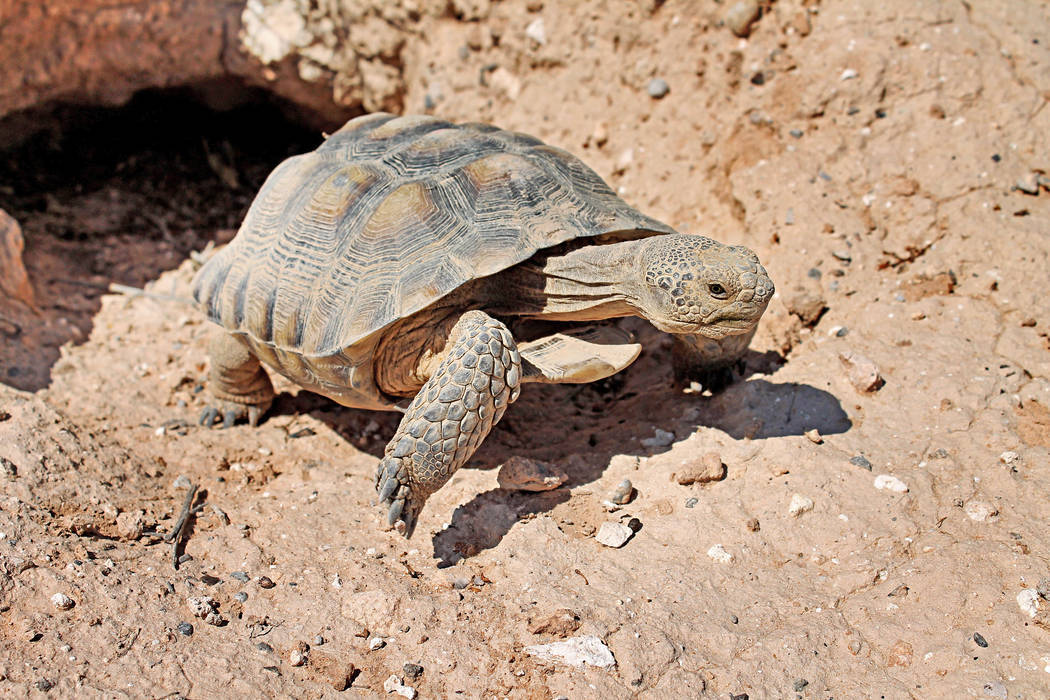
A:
590, 283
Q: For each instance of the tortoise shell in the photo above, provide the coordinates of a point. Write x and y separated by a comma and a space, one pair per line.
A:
391, 214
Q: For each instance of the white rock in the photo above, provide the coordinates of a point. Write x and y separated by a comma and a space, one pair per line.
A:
1028, 601
614, 534
719, 554
296, 658
890, 483
848, 74
62, 601
376, 643
394, 685
800, 504
980, 511
575, 651
1009, 457
536, 31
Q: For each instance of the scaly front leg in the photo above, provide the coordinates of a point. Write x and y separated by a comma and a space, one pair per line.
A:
450, 416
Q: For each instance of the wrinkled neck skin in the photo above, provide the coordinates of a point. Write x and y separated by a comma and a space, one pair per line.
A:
591, 283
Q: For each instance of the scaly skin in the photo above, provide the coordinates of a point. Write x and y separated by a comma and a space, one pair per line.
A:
449, 417
237, 381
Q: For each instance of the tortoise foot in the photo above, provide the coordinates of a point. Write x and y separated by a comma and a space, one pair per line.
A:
449, 417
226, 414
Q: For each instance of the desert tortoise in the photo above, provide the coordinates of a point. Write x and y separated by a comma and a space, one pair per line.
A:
395, 260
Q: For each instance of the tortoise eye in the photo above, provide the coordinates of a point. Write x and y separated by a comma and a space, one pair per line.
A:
717, 291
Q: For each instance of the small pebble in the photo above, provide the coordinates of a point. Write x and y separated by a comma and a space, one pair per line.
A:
265, 582
980, 640
814, 273
848, 74
1009, 457
854, 647
800, 685
800, 504
240, 596
890, 483
661, 438
789, 218
753, 525
182, 482
814, 436
62, 601
376, 643
264, 647
296, 657
860, 461
460, 583
690, 502
719, 554
240, 576
861, 372
44, 685
979, 511
741, 15
413, 670
536, 31
209, 580
796, 133
734, 619
1028, 601
319, 641
657, 88
1029, 184
185, 629
622, 494
613, 534
393, 685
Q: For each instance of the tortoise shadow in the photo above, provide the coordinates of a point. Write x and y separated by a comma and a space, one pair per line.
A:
757, 409
579, 428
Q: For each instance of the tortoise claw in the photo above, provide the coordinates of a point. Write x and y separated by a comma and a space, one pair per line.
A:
254, 413
229, 417
394, 491
208, 416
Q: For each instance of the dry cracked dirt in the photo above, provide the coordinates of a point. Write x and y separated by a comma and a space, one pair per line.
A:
888, 163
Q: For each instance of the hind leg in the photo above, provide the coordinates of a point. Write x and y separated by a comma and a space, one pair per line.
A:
237, 381
450, 416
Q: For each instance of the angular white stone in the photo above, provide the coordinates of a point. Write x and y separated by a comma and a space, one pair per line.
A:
394, 685
614, 534
800, 504
575, 651
1028, 601
890, 483
719, 554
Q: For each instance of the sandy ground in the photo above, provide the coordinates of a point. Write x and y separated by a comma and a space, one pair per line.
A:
875, 155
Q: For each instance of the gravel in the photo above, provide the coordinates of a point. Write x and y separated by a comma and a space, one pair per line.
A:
657, 88
240, 596
62, 602
265, 582
240, 576
719, 554
800, 504
979, 639
185, 629
860, 461
413, 670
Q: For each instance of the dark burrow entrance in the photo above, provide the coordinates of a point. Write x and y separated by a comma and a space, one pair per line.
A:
118, 195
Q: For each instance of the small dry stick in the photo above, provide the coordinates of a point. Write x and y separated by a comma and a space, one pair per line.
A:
176, 534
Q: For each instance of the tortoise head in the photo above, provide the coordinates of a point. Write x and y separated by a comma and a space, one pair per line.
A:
695, 285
